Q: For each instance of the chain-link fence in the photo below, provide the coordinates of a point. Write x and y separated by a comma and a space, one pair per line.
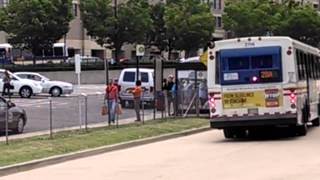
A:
46, 115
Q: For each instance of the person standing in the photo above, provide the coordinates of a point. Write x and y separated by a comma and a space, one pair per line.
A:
6, 83
171, 95
203, 93
137, 98
111, 97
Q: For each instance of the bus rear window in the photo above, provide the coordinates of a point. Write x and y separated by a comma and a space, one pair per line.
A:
260, 62
237, 63
250, 65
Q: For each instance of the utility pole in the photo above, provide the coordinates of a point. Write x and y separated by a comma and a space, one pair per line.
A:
116, 30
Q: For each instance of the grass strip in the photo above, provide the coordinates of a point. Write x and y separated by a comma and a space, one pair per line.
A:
23, 150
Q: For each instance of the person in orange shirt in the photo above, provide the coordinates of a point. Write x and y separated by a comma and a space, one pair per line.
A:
111, 99
137, 98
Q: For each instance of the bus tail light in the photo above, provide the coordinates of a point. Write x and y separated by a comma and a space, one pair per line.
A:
293, 99
212, 103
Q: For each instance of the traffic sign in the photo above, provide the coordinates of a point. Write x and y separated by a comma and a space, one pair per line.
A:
140, 49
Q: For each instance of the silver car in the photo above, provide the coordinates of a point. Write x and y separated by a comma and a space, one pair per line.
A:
54, 88
17, 118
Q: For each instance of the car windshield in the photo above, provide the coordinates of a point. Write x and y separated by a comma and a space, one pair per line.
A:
14, 77
44, 78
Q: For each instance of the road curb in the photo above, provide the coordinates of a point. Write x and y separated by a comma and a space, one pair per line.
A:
7, 170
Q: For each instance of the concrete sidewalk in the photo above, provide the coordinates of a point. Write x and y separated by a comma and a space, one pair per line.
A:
85, 156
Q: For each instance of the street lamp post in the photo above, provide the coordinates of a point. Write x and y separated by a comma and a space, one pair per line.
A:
115, 40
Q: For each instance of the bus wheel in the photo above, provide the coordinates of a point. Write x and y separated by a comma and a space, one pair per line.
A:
302, 130
316, 122
228, 133
241, 133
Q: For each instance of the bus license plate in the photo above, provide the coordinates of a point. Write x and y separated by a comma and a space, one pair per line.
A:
253, 111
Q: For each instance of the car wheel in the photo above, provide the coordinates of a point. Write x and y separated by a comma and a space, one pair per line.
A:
19, 126
55, 91
25, 92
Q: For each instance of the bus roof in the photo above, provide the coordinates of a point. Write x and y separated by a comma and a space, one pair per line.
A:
294, 42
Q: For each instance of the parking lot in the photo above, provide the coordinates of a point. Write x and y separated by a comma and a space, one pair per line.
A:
65, 109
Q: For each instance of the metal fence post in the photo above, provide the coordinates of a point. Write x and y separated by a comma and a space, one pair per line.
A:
117, 113
7, 128
80, 112
86, 111
50, 116
142, 107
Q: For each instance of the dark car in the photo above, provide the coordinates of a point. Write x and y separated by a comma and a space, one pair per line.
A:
17, 117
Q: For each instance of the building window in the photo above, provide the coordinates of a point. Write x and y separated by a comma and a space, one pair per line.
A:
216, 4
218, 22
4, 3
219, 4
75, 9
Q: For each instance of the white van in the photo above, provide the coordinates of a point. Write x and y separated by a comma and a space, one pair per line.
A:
127, 81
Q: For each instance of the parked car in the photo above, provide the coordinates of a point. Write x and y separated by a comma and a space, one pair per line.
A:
17, 117
54, 88
24, 87
127, 81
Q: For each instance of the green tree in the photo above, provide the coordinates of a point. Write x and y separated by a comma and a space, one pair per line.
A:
250, 17
157, 34
260, 17
189, 25
36, 24
128, 23
303, 24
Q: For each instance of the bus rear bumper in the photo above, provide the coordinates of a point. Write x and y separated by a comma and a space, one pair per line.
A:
249, 121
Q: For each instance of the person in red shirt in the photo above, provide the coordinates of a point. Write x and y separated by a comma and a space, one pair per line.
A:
111, 99
137, 98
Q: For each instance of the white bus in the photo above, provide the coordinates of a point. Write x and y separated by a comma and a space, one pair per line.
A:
263, 81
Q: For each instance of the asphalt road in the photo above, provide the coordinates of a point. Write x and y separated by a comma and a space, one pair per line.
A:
203, 156
65, 109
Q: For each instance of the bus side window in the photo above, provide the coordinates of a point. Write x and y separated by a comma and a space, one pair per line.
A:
314, 66
309, 69
300, 64
318, 67
218, 68
305, 65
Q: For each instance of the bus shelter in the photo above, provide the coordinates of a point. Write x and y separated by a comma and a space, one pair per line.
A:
192, 92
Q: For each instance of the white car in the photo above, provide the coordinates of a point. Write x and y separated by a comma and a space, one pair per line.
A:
24, 87
55, 88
